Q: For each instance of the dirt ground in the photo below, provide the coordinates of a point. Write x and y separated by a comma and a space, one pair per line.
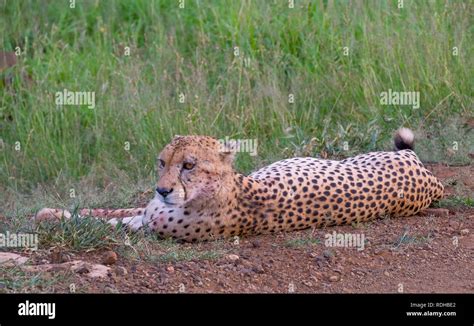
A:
423, 253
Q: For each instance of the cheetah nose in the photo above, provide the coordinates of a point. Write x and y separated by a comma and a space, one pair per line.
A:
164, 191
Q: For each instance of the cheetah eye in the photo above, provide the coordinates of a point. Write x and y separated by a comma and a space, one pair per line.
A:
161, 164
188, 165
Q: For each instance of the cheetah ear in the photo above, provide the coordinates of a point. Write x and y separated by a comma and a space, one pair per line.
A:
227, 150
227, 157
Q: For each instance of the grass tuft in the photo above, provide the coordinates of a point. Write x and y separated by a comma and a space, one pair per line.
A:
455, 202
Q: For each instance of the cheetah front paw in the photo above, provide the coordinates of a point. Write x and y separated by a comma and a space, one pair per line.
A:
51, 214
133, 223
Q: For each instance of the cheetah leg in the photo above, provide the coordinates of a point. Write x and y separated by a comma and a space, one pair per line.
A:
134, 223
48, 214
132, 218
110, 213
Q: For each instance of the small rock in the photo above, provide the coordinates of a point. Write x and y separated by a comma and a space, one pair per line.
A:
339, 270
82, 269
232, 257
10, 259
170, 269
386, 273
334, 278
258, 269
464, 232
256, 244
246, 271
327, 254
308, 283
110, 258
121, 271
87, 269
320, 261
454, 224
98, 271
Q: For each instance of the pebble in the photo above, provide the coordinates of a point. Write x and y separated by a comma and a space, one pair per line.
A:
232, 257
122, 271
327, 254
334, 278
464, 232
308, 283
339, 270
246, 271
256, 244
258, 269
110, 258
82, 269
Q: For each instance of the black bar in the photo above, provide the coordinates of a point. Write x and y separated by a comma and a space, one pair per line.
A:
240, 307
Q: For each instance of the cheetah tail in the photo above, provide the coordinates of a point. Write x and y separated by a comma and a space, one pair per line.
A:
404, 139
56, 214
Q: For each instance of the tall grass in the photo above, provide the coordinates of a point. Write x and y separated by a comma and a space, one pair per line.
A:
282, 51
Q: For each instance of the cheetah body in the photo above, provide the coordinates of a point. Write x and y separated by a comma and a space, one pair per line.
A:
211, 200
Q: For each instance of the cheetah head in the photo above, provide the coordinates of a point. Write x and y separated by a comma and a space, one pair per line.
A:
193, 170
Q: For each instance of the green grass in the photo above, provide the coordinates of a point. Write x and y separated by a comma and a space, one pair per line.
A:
302, 242
155, 250
171, 251
15, 280
187, 254
455, 202
406, 239
80, 234
191, 51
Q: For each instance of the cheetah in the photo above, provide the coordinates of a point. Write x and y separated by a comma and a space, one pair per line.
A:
199, 196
